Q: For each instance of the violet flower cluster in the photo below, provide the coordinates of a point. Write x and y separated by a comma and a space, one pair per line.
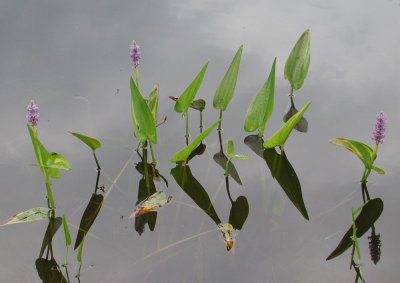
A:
33, 113
379, 128
134, 52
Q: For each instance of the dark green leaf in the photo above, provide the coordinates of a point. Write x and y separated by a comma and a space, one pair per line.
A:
89, 141
279, 138
198, 151
226, 88
262, 105
302, 125
184, 153
184, 178
198, 104
52, 228
283, 172
298, 62
143, 120
363, 151
364, 221
49, 271
221, 159
239, 212
186, 98
155, 174
88, 217
30, 215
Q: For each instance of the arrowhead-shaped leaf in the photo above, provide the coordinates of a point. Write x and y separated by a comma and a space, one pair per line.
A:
89, 141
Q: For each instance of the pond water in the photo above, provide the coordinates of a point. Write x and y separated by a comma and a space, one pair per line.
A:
73, 59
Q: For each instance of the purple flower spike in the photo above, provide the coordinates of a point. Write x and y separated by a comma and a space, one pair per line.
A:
33, 113
134, 52
379, 128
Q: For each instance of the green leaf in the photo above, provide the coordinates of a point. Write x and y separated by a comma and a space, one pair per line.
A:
239, 212
143, 120
89, 141
52, 228
363, 151
298, 62
186, 98
378, 170
184, 153
66, 231
302, 125
262, 105
284, 173
57, 161
152, 102
221, 159
240, 156
49, 271
79, 255
230, 149
364, 221
226, 88
280, 137
30, 215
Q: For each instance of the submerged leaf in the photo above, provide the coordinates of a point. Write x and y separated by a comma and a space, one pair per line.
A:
186, 98
364, 221
239, 212
221, 159
279, 138
197, 151
226, 88
88, 217
363, 151
158, 199
262, 105
284, 173
298, 62
184, 153
302, 125
189, 184
89, 141
255, 143
30, 215
49, 271
142, 118
52, 228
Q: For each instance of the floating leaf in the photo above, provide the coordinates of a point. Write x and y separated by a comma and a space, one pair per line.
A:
88, 217
302, 125
228, 235
184, 153
226, 88
283, 172
221, 159
186, 98
89, 141
30, 215
52, 228
364, 221
262, 105
189, 184
239, 212
158, 199
255, 143
298, 62
66, 231
143, 120
49, 271
363, 151
280, 137
152, 102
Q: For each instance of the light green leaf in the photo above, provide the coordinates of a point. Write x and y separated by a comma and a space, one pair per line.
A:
80, 250
280, 137
152, 102
89, 141
30, 215
378, 170
184, 153
298, 62
226, 88
262, 105
143, 121
186, 98
363, 151
57, 161
230, 149
66, 231
241, 156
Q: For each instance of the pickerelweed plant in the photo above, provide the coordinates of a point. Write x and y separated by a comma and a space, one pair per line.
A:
371, 209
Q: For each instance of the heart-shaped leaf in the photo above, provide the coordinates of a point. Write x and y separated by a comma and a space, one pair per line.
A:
262, 105
279, 138
298, 62
239, 212
186, 98
226, 88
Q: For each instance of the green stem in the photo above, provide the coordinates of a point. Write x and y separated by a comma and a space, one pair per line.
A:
187, 127
98, 172
201, 122
50, 194
220, 122
137, 78
291, 94
227, 167
146, 171
153, 157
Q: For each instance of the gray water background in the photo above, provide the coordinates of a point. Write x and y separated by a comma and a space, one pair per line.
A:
72, 58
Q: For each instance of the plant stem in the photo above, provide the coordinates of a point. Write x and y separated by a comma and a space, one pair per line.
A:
137, 78
50, 194
227, 188
153, 158
187, 127
220, 122
98, 172
201, 122
291, 94
146, 171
